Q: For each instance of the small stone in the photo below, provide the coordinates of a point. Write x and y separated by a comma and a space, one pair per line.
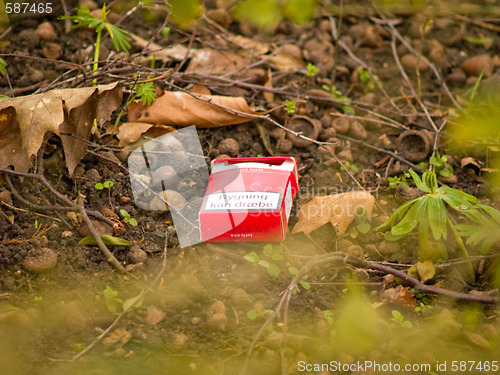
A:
178, 340
452, 179
46, 32
217, 322
222, 156
277, 133
410, 62
67, 234
436, 53
167, 176
40, 260
285, 146
240, 298
229, 146
218, 307
457, 77
356, 251
137, 255
475, 65
35, 75
99, 226
52, 51
108, 212
327, 134
341, 125
171, 196
357, 130
93, 176
346, 155
388, 247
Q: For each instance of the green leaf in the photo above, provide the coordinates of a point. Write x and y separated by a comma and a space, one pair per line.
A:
134, 302
264, 14
252, 257
420, 185
133, 222
107, 239
299, 11
363, 228
147, 93
108, 184
293, 270
437, 217
445, 173
305, 284
99, 186
273, 270
119, 37
252, 314
411, 219
3, 66
125, 214
267, 251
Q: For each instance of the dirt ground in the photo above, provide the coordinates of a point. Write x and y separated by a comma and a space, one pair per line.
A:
388, 89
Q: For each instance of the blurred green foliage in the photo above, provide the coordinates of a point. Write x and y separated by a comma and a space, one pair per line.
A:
185, 12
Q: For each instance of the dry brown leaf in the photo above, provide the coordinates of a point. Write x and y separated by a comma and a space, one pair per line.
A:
176, 52
288, 58
130, 132
400, 295
25, 120
212, 61
154, 315
251, 44
338, 209
182, 109
269, 96
119, 336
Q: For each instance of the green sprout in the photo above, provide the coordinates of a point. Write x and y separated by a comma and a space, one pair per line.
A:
439, 164
104, 185
128, 219
145, 93
111, 300
269, 253
337, 95
290, 107
371, 81
398, 318
303, 283
430, 212
346, 166
396, 181
118, 35
312, 70
3, 66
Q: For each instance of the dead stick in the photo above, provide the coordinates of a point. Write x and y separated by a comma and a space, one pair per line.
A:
110, 257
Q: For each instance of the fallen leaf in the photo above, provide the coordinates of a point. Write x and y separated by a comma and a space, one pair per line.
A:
182, 109
400, 295
248, 43
212, 61
264, 135
288, 58
338, 209
423, 270
69, 113
119, 336
106, 239
131, 132
477, 339
269, 96
154, 315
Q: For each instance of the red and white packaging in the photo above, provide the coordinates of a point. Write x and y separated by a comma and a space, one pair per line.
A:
249, 199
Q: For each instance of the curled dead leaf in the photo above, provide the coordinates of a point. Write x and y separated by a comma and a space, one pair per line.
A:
120, 336
338, 209
131, 132
69, 113
183, 109
400, 295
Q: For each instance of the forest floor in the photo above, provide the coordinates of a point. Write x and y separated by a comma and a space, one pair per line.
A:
376, 93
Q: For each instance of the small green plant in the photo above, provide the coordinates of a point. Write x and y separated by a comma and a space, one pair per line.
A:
290, 107
312, 70
302, 282
430, 212
269, 253
370, 81
349, 167
337, 94
128, 219
398, 319
423, 306
118, 35
439, 164
257, 313
396, 181
104, 185
110, 298
38, 298
3, 66
485, 227
145, 93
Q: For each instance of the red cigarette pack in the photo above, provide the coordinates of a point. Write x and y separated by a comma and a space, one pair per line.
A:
248, 199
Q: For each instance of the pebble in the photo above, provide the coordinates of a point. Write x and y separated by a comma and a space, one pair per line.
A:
356, 251
137, 255
167, 175
327, 134
388, 247
52, 51
40, 260
410, 62
93, 175
436, 53
6, 197
173, 198
29, 37
45, 31
357, 130
457, 77
475, 65
240, 298
341, 125
229, 146
217, 322
285, 146
99, 226
346, 155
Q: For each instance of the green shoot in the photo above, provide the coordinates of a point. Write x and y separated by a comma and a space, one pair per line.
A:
111, 299
118, 35
290, 107
3, 66
337, 94
349, 167
371, 81
269, 253
128, 219
146, 93
398, 318
312, 70
105, 185
394, 182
